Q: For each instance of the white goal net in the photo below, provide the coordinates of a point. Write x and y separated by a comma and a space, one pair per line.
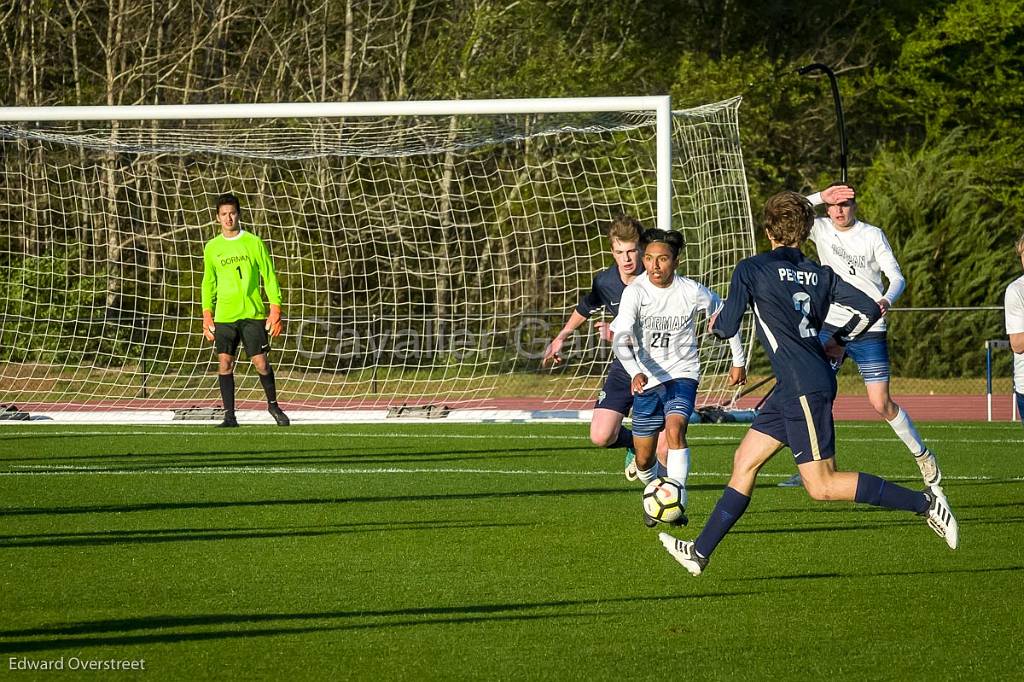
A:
422, 259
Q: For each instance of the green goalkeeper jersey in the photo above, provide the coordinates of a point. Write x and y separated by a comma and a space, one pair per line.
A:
232, 269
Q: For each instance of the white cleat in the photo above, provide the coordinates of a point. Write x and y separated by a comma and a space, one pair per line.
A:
940, 517
683, 552
630, 465
929, 468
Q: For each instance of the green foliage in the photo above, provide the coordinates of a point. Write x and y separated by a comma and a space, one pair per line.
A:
954, 243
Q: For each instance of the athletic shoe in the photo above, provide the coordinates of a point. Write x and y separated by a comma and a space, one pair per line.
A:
229, 422
793, 481
280, 417
940, 517
929, 468
630, 465
683, 552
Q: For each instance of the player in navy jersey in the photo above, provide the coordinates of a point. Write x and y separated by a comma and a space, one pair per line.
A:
616, 398
790, 297
860, 254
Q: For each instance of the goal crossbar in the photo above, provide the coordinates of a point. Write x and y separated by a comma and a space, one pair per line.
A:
661, 105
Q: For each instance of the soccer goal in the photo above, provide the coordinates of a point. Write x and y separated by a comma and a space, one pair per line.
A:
427, 251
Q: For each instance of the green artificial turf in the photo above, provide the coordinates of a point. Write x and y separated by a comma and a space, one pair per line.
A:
494, 551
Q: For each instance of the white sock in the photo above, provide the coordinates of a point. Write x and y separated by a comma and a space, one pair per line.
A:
904, 428
648, 475
678, 465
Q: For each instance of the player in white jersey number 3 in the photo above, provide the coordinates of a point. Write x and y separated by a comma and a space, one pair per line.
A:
655, 339
860, 254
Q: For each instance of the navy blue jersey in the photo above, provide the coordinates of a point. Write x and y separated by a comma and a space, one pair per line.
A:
605, 292
790, 296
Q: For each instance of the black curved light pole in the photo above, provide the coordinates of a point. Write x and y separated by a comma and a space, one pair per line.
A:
803, 71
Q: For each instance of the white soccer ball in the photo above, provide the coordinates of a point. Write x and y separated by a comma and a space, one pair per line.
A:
664, 500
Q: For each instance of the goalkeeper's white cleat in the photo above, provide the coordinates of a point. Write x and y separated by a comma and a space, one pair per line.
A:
940, 517
683, 552
929, 468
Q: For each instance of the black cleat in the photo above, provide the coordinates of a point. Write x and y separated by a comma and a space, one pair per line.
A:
229, 422
279, 416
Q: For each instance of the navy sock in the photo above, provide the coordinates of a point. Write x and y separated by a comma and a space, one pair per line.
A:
729, 509
625, 439
269, 386
227, 391
877, 491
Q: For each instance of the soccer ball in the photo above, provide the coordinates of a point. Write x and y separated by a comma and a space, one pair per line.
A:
664, 500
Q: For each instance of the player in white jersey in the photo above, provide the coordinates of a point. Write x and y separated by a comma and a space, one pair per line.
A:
655, 339
1014, 311
860, 254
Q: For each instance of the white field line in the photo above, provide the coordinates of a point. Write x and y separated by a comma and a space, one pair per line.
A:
175, 431
72, 470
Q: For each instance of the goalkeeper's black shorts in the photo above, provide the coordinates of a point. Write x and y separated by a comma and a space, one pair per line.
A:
250, 333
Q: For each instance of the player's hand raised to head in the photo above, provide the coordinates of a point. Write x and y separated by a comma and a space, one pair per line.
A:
837, 194
273, 325
208, 326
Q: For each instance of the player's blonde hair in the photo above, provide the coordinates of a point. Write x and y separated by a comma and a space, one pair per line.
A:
788, 218
625, 228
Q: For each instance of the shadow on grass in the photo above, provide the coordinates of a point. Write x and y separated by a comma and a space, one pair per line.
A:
228, 504
162, 535
116, 631
321, 454
881, 574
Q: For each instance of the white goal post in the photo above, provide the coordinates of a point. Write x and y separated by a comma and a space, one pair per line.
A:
427, 250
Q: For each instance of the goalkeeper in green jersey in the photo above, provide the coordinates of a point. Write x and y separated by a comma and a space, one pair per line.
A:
233, 265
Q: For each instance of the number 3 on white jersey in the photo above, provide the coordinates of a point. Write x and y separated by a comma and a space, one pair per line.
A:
802, 304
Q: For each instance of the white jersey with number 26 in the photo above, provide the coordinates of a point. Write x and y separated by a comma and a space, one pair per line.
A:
655, 330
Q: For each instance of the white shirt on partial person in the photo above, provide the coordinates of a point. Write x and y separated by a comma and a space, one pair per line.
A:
860, 256
1013, 309
655, 331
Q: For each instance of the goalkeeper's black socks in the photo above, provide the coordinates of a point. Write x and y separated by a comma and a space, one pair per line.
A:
269, 387
227, 392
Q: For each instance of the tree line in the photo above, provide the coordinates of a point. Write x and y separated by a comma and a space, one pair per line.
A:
933, 90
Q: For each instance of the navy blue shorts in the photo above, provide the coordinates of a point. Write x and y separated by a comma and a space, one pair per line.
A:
652, 406
804, 423
1020, 406
870, 351
617, 393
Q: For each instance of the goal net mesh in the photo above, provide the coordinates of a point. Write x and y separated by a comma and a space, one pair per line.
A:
423, 260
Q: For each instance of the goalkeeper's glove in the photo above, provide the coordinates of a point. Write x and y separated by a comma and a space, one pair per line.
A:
208, 326
274, 320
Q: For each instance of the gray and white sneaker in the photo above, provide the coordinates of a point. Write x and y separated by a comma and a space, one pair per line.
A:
683, 552
940, 517
929, 468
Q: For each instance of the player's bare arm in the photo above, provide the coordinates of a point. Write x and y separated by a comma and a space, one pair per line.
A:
553, 352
